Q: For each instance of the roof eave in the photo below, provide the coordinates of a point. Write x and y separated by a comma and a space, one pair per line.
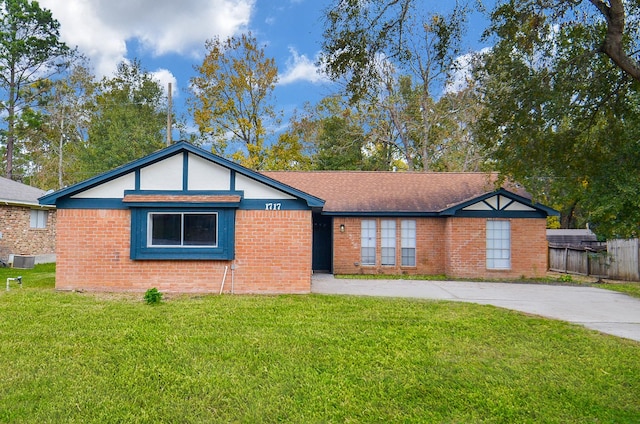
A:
451, 211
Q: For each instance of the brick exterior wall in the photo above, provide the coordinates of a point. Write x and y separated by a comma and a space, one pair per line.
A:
273, 251
455, 247
19, 238
273, 255
466, 246
429, 247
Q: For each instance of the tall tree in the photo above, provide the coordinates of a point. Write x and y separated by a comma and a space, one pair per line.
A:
232, 97
56, 127
338, 136
398, 58
289, 152
127, 123
560, 116
30, 51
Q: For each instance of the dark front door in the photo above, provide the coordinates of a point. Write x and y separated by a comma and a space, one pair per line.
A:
322, 243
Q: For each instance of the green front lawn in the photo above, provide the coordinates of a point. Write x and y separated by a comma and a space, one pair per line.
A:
78, 357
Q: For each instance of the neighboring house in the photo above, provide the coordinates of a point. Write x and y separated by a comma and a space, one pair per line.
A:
185, 220
26, 227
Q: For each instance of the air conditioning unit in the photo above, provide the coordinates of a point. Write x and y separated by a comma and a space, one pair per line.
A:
25, 262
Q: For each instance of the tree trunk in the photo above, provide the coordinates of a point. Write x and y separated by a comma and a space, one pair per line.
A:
612, 45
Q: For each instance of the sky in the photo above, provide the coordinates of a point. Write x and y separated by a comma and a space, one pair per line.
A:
168, 38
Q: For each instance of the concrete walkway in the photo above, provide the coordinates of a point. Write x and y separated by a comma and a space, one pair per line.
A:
602, 310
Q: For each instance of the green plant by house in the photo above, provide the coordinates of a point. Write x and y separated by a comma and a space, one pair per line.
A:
566, 278
153, 296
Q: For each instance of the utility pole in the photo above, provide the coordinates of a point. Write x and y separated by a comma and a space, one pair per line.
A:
169, 107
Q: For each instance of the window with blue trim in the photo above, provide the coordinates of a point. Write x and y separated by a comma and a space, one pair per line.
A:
198, 229
185, 234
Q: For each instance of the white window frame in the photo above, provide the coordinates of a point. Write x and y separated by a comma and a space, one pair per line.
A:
408, 242
38, 218
368, 242
388, 242
182, 244
498, 244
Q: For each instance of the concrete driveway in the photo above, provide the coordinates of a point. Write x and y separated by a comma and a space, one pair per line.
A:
602, 310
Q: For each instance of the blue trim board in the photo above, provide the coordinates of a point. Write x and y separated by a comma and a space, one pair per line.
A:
184, 148
137, 178
117, 203
466, 214
381, 214
185, 171
68, 203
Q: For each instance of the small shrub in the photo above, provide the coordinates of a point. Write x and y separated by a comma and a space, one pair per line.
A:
152, 296
566, 278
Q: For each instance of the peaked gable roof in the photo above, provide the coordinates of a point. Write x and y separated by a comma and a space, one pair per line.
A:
435, 193
175, 149
13, 192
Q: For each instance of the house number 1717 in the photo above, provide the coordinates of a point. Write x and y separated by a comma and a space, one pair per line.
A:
272, 206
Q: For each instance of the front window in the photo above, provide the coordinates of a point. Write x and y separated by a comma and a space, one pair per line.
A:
182, 229
388, 242
368, 242
498, 245
408, 242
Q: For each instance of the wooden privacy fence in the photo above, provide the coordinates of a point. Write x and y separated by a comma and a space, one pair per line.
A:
618, 259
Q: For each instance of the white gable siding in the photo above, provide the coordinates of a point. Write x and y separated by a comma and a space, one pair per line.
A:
493, 202
499, 203
255, 190
163, 175
206, 175
517, 206
480, 206
113, 189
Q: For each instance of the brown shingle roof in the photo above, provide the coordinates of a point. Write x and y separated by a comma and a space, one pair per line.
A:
358, 191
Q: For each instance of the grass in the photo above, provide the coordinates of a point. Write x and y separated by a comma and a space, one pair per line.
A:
632, 289
89, 358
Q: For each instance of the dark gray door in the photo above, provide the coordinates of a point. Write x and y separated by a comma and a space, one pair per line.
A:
322, 243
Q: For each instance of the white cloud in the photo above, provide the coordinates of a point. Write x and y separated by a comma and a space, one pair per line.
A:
301, 68
164, 77
462, 74
101, 28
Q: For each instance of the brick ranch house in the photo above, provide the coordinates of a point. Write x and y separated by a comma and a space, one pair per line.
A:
185, 220
26, 227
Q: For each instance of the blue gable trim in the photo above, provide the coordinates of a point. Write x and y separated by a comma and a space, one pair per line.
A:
60, 197
185, 171
540, 211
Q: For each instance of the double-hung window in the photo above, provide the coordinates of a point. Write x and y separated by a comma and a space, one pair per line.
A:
190, 229
368, 242
408, 242
498, 245
388, 242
